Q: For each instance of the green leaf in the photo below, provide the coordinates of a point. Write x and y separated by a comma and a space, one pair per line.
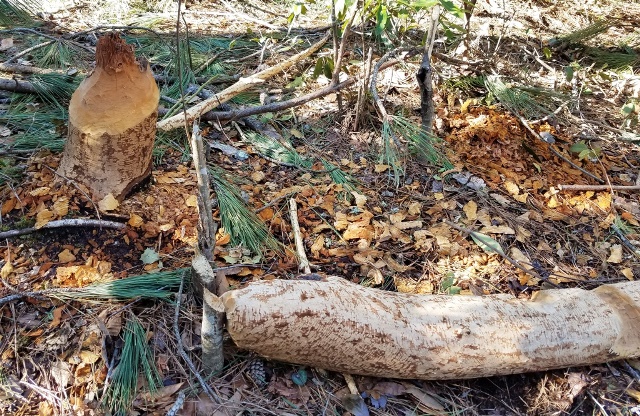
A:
628, 108
447, 283
487, 243
568, 72
546, 52
149, 256
579, 147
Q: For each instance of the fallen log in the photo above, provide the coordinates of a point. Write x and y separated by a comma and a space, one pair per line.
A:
337, 325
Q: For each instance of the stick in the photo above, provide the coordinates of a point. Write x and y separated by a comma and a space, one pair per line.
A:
76, 222
599, 187
295, 225
243, 84
16, 85
26, 69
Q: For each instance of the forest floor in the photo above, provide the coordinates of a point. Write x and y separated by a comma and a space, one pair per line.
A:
387, 232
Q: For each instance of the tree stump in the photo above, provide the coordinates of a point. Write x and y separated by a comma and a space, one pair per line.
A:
112, 122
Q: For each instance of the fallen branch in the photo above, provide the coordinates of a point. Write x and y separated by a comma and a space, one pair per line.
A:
340, 326
76, 222
26, 69
242, 85
16, 85
284, 105
599, 187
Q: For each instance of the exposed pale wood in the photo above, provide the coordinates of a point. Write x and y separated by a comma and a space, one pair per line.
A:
344, 327
112, 122
242, 85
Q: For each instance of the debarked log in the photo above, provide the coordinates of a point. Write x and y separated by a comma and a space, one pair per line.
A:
340, 326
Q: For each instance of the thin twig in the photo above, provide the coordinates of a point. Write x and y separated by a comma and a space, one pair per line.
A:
599, 187
29, 50
74, 222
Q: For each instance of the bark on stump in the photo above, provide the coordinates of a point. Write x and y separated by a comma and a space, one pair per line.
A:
112, 122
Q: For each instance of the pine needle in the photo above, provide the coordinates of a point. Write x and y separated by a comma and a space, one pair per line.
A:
425, 145
516, 100
390, 155
338, 176
136, 353
159, 285
274, 150
242, 224
37, 126
17, 12
55, 89
586, 33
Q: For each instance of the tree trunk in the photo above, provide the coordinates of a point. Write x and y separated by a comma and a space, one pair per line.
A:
112, 122
340, 326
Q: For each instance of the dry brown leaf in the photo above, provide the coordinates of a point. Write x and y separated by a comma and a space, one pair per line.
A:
56, 316
191, 201
317, 246
616, 254
381, 168
108, 203
258, 176
375, 275
497, 229
66, 256
6, 270
415, 208
407, 225
425, 399
471, 210
61, 206
43, 218
136, 221
44, 190
397, 217
9, 205
628, 273
361, 200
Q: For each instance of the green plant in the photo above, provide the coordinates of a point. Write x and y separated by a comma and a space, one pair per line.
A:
585, 151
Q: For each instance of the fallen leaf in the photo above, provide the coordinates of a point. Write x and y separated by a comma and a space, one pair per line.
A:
258, 176
42, 191
61, 207
43, 218
317, 246
6, 270
136, 221
415, 208
361, 200
108, 203
616, 254
192, 201
66, 256
381, 168
471, 210
425, 399
627, 272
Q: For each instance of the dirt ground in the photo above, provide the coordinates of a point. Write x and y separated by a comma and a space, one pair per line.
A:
505, 182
